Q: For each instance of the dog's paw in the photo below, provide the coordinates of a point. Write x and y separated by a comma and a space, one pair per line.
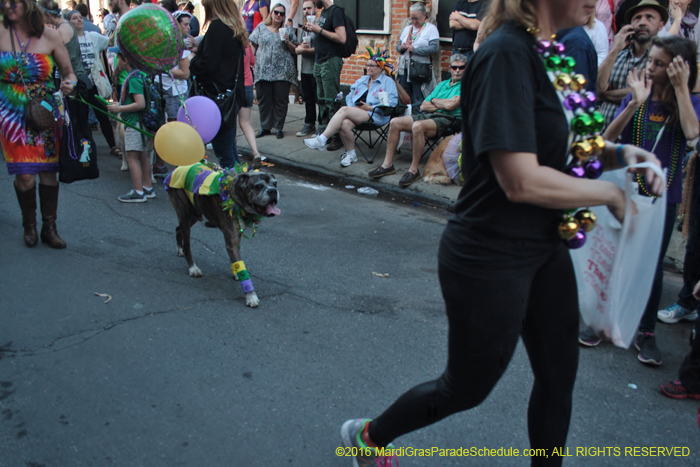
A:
124, 168
252, 300
195, 271
180, 252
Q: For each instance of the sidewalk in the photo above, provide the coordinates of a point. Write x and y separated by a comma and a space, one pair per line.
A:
291, 152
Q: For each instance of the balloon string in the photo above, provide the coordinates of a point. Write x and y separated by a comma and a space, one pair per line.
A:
182, 102
145, 133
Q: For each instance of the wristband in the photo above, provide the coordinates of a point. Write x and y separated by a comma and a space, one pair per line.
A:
618, 154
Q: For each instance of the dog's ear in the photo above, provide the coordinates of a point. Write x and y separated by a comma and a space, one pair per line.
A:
240, 187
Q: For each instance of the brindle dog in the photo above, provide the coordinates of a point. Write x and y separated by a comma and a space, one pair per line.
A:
255, 192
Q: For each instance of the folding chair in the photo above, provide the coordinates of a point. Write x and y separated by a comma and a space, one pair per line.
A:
378, 131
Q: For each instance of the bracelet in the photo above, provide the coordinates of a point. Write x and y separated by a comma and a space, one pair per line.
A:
618, 154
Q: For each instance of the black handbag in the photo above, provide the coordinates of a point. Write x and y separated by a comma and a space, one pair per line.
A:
77, 159
225, 99
420, 72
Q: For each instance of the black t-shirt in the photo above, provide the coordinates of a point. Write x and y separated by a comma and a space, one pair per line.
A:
325, 48
465, 38
508, 103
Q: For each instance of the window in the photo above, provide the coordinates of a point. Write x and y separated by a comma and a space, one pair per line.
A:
445, 7
369, 16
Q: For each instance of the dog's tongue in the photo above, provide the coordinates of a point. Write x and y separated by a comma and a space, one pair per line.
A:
272, 210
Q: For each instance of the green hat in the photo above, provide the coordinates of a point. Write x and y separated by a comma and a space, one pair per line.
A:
647, 4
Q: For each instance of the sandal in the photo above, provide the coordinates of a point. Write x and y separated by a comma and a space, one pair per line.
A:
115, 151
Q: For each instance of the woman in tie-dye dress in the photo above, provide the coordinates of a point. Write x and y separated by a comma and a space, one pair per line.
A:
29, 153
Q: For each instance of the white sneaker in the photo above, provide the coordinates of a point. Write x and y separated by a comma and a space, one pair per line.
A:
315, 143
348, 159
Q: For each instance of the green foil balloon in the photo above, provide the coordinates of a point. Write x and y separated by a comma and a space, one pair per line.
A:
150, 39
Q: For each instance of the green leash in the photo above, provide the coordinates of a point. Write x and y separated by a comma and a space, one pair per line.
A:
81, 99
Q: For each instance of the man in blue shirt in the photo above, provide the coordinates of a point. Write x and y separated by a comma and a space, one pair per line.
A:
442, 116
580, 47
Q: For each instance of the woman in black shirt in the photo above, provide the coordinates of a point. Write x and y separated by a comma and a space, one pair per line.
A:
217, 67
504, 271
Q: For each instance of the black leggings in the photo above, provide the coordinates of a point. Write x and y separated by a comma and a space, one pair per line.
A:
485, 318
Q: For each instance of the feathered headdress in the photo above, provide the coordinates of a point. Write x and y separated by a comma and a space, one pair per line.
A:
382, 59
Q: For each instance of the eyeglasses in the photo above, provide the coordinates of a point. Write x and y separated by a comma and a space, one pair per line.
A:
372, 66
413, 18
458, 67
280, 13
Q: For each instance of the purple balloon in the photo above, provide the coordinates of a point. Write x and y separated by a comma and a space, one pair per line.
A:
578, 240
203, 115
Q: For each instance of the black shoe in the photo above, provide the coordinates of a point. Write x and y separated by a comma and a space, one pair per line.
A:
280, 134
589, 338
408, 178
649, 353
334, 143
307, 129
210, 225
262, 133
380, 171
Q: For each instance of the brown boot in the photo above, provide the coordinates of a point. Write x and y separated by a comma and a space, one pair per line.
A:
27, 202
49, 203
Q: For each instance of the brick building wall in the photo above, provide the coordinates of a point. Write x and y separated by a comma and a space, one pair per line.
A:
354, 66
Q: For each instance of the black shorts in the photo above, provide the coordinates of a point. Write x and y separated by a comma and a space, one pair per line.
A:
446, 124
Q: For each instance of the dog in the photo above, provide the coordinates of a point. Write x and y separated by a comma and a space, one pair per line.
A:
254, 196
443, 156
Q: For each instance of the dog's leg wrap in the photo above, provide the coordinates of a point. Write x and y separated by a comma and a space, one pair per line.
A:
238, 269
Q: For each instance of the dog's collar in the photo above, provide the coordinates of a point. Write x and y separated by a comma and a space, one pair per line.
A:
228, 205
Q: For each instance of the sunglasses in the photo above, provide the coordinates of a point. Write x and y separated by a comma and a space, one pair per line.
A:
280, 13
460, 67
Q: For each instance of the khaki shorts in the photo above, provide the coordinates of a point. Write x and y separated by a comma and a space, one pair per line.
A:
446, 124
135, 141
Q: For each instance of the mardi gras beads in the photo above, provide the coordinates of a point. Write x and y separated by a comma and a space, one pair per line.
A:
585, 125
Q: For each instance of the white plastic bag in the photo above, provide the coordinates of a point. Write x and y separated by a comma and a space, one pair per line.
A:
615, 268
406, 137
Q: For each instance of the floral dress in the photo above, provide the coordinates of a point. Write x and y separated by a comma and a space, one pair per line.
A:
26, 151
273, 60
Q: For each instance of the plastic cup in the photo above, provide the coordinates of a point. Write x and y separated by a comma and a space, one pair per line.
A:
292, 98
283, 32
311, 19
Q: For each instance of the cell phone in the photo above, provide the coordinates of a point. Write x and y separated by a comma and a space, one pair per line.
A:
359, 104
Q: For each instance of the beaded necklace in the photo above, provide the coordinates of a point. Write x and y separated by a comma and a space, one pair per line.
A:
23, 47
586, 142
639, 130
226, 177
411, 36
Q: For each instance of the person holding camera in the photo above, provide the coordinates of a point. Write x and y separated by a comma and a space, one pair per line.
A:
629, 50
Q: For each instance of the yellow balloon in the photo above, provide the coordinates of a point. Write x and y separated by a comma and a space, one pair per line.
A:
178, 143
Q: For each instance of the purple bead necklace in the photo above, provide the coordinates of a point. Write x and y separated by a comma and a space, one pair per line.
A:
586, 142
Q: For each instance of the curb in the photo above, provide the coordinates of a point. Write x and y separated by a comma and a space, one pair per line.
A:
382, 188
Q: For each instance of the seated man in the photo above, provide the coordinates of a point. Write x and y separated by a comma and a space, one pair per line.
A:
441, 116
361, 101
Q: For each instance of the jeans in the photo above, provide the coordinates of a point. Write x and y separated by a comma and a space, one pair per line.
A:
327, 76
413, 90
648, 321
224, 144
541, 306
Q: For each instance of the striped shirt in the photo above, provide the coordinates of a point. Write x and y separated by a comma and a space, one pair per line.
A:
624, 63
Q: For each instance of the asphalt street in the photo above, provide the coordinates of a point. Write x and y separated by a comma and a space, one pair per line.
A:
177, 371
